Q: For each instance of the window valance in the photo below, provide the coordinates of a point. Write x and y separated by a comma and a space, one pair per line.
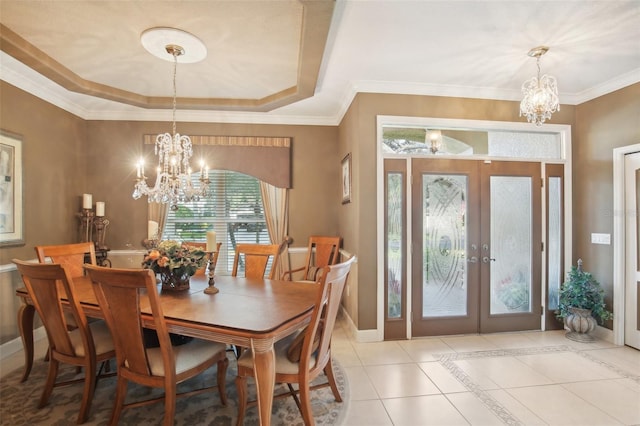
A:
266, 158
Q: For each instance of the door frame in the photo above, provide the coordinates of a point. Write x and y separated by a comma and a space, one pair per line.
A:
563, 130
619, 226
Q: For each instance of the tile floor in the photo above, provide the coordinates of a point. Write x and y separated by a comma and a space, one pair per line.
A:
530, 378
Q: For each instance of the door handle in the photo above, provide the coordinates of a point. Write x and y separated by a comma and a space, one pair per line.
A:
486, 259
472, 259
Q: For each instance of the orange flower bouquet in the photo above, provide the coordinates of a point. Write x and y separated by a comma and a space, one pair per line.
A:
175, 262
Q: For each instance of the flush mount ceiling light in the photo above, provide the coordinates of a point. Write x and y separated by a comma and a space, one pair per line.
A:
540, 93
173, 176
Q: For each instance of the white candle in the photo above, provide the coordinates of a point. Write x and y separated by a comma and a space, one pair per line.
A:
152, 230
211, 240
87, 202
100, 208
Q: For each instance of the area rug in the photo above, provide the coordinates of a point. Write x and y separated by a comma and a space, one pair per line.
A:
18, 402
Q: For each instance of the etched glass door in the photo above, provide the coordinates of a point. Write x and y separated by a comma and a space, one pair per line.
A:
476, 247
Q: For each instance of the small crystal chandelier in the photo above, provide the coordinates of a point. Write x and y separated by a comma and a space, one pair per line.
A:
173, 176
540, 93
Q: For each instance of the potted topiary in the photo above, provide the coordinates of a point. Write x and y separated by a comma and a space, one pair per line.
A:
581, 299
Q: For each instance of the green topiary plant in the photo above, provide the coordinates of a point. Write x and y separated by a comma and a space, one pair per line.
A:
582, 291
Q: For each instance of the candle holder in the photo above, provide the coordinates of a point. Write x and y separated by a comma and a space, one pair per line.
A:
100, 224
212, 256
86, 229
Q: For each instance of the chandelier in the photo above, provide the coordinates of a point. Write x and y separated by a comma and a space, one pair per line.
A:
540, 93
173, 183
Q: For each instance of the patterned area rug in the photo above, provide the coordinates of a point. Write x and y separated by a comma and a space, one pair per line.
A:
18, 402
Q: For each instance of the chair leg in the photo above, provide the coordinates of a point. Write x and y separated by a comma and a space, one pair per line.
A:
222, 379
87, 393
118, 404
51, 381
169, 406
305, 402
328, 371
241, 385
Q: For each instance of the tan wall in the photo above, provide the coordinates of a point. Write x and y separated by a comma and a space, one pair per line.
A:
605, 123
358, 133
114, 146
54, 168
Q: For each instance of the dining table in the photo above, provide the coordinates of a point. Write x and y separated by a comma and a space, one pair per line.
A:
246, 312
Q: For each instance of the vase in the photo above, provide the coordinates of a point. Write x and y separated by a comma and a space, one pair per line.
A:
580, 323
174, 280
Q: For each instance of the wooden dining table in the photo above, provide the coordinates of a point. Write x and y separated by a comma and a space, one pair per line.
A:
252, 313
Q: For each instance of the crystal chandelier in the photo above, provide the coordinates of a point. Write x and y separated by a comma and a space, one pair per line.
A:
540, 93
173, 176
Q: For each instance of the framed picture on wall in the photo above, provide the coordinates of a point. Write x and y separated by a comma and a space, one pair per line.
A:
346, 179
11, 226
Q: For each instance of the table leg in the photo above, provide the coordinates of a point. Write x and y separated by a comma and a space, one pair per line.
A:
265, 375
25, 325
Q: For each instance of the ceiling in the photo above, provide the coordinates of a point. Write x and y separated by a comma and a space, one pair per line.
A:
302, 62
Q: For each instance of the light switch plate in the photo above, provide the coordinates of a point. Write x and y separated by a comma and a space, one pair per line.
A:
600, 238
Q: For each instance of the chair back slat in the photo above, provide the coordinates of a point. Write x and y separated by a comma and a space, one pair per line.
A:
121, 294
256, 258
46, 284
72, 255
325, 313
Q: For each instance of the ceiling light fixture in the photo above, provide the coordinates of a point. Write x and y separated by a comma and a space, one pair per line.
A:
173, 176
540, 93
434, 138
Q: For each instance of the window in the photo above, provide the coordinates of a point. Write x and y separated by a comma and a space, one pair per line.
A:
233, 208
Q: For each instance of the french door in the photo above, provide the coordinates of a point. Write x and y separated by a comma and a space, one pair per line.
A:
476, 246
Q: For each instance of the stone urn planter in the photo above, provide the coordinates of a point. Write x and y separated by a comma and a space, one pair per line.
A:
580, 323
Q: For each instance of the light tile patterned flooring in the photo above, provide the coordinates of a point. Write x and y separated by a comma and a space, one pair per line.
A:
530, 378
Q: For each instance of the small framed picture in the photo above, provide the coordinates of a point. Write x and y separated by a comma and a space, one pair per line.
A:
346, 179
11, 227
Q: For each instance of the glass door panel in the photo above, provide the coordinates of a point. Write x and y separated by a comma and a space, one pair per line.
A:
510, 259
395, 253
444, 245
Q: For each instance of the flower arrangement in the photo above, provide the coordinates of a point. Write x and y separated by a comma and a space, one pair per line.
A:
175, 258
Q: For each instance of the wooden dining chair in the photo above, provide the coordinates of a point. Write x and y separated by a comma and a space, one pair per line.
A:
256, 259
86, 345
120, 293
72, 255
302, 357
322, 251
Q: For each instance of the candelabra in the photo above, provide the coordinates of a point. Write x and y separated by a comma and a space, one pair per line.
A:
86, 229
212, 257
100, 223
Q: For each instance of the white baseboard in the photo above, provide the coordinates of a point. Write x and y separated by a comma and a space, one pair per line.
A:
12, 346
362, 336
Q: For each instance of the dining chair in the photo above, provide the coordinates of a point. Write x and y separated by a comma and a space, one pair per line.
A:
85, 345
72, 255
256, 259
120, 294
322, 251
302, 357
